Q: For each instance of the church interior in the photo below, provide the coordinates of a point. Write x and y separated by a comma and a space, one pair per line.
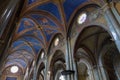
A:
59, 39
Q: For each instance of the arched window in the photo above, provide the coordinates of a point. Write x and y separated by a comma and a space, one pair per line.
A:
14, 69
82, 18
56, 41
42, 54
84, 70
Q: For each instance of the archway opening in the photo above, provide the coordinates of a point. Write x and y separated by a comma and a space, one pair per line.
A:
111, 62
57, 66
96, 41
41, 72
82, 71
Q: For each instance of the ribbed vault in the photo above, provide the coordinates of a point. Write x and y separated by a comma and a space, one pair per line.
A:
39, 22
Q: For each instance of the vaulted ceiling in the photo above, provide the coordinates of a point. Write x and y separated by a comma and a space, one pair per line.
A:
39, 22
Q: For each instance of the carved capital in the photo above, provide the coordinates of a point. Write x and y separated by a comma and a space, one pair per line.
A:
104, 8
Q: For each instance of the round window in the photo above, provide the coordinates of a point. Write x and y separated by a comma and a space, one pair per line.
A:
14, 69
82, 18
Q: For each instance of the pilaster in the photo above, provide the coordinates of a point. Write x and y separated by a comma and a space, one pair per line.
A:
112, 23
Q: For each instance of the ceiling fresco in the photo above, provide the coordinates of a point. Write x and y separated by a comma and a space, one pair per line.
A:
31, 1
50, 8
41, 20
70, 6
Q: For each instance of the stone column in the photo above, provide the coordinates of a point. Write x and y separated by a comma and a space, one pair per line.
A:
35, 74
115, 12
34, 70
47, 75
103, 73
112, 23
67, 59
70, 64
96, 73
59, 4
8, 9
90, 73
75, 69
72, 61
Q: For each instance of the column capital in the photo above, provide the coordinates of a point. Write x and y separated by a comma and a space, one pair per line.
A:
104, 8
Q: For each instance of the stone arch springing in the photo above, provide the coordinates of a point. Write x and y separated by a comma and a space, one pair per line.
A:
84, 64
97, 40
109, 59
52, 45
41, 55
41, 71
79, 10
57, 64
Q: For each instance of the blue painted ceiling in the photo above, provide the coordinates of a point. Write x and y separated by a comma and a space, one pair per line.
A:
36, 29
50, 8
31, 1
70, 6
